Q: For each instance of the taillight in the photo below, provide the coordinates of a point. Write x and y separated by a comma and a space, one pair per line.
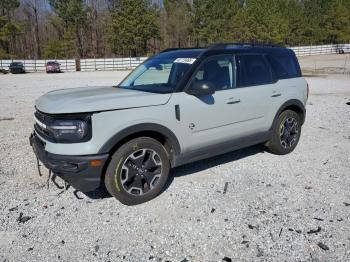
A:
308, 90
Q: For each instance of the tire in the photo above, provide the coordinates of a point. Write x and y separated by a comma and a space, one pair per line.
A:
138, 171
286, 133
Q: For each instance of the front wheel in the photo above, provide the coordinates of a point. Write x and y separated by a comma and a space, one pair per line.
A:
286, 133
138, 171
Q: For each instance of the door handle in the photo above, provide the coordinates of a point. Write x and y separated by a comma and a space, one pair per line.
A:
232, 101
276, 95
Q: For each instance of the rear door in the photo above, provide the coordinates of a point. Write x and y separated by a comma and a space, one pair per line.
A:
259, 93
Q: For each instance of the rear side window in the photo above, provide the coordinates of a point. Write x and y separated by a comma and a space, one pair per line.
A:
253, 70
284, 66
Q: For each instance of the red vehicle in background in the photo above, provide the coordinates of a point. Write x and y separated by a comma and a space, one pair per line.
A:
53, 67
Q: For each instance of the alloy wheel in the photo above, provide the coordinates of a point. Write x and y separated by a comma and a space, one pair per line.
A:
141, 171
289, 132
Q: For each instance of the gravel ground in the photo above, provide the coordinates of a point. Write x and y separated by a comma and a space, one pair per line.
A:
326, 64
248, 205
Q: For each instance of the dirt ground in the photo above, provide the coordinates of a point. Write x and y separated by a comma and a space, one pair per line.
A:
275, 208
326, 64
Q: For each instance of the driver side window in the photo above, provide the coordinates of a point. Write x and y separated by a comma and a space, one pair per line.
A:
218, 71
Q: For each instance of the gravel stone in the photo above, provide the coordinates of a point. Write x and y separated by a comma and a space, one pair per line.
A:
323, 246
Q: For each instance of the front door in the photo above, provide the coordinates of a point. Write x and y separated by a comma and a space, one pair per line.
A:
212, 119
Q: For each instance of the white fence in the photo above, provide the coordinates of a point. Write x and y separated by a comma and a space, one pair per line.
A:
39, 65
104, 64
69, 65
110, 63
321, 49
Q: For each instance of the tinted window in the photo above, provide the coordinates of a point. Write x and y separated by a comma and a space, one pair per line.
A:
284, 66
218, 71
253, 70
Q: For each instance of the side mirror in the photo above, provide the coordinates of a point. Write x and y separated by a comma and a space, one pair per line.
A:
201, 88
159, 67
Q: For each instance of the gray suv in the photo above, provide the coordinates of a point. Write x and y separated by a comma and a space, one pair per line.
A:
179, 106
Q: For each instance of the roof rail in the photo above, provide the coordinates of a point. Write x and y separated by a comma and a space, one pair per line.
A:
252, 44
224, 45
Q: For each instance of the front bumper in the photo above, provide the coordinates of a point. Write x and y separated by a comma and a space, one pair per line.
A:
75, 170
16, 70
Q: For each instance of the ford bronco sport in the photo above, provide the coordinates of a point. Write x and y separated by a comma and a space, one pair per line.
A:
179, 106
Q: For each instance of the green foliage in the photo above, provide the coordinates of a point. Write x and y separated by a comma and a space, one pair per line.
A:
54, 50
213, 21
6, 6
8, 32
290, 22
260, 20
9, 29
337, 22
84, 28
176, 23
72, 12
3, 54
72, 15
59, 49
134, 22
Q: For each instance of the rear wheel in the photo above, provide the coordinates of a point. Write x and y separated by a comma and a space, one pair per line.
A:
138, 171
286, 133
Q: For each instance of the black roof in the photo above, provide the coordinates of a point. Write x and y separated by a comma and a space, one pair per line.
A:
230, 48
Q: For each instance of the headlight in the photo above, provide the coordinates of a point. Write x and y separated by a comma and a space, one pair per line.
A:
66, 130
69, 128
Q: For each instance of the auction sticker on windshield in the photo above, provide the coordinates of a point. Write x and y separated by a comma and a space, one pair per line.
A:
185, 60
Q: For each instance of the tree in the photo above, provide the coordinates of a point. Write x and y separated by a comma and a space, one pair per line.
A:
315, 13
133, 24
213, 20
32, 12
176, 23
74, 15
337, 22
260, 21
8, 6
9, 29
91, 28
292, 11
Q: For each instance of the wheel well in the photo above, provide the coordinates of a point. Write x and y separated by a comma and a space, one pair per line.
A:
297, 110
152, 134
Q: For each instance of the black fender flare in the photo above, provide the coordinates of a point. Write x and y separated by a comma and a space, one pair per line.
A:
146, 127
292, 102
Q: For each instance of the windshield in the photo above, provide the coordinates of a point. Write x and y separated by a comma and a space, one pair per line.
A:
159, 75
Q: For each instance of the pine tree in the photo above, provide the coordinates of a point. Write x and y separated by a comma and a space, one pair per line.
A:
9, 29
134, 23
74, 17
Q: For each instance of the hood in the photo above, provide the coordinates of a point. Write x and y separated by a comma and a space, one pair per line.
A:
92, 99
